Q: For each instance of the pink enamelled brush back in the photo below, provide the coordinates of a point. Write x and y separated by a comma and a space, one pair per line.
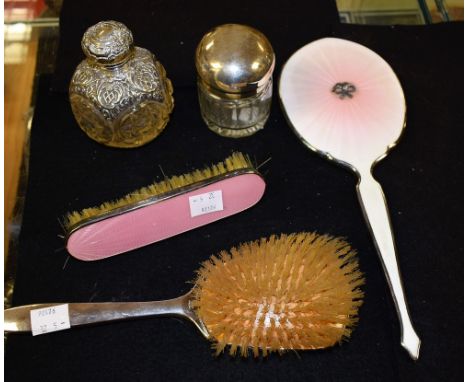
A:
171, 207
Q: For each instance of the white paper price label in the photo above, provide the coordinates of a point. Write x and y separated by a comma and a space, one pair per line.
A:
50, 319
206, 203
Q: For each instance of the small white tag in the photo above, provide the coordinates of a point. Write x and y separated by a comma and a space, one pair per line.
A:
206, 203
50, 319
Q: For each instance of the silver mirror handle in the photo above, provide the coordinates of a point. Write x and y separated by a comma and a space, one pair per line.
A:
375, 210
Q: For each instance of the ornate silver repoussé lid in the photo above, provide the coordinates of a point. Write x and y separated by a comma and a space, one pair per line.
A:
119, 94
108, 42
235, 64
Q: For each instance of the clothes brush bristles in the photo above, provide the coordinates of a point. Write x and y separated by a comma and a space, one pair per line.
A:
298, 291
236, 161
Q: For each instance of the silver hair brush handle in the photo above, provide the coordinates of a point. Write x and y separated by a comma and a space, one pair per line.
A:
18, 319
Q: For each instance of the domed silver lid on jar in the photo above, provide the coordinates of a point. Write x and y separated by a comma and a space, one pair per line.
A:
236, 59
107, 42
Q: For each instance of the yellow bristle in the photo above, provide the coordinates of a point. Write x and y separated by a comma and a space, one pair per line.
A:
298, 291
234, 162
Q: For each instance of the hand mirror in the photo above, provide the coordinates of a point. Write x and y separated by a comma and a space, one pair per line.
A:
346, 103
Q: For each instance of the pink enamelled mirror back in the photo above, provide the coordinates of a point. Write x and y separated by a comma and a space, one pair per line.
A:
345, 102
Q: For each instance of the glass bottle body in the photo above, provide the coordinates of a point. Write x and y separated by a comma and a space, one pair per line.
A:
125, 105
235, 116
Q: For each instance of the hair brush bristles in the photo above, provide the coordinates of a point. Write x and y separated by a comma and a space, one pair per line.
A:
298, 291
236, 161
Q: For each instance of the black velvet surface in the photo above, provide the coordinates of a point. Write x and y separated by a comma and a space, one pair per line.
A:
422, 179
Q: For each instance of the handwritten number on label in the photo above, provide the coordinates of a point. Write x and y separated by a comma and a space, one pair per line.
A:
50, 319
206, 203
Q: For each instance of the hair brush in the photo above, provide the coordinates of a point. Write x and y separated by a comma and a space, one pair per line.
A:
299, 291
164, 209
